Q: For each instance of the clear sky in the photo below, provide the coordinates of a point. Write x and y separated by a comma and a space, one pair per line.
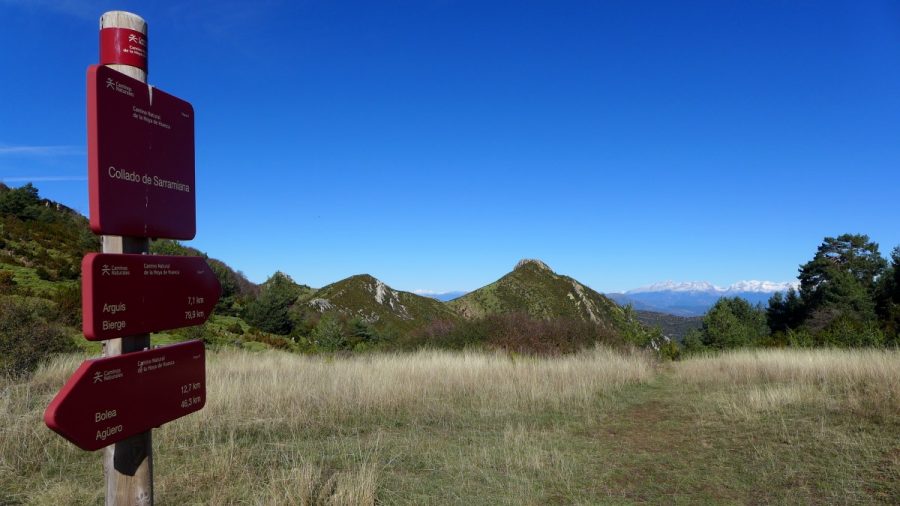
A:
434, 143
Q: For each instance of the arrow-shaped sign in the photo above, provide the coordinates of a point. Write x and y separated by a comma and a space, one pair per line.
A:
123, 295
113, 398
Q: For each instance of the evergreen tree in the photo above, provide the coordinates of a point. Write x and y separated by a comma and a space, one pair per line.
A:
851, 254
785, 311
18, 201
329, 335
838, 289
887, 299
732, 323
270, 311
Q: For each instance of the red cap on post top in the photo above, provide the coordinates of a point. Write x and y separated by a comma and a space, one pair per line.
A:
123, 47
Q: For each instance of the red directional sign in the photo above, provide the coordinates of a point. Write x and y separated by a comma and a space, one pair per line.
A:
110, 399
140, 158
123, 295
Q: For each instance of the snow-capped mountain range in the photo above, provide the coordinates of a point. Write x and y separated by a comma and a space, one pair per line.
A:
694, 298
752, 286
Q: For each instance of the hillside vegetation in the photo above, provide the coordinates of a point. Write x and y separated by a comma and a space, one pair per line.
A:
532, 287
370, 300
849, 296
595, 427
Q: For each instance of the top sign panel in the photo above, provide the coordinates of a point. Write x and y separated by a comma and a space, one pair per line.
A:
140, 158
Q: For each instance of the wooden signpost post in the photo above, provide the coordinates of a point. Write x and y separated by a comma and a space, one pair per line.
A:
141, 185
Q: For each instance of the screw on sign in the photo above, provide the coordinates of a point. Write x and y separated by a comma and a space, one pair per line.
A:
110, 399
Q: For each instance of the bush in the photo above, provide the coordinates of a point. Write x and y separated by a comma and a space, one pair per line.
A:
67, 299
800, 338
692, 343
44, 274
669, 351
329, 335
515, 332
277, 342
202, 332
7, 279
846, 330
733, 323
235, 328
26, 335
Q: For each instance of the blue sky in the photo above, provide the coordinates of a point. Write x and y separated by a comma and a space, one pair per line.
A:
432, 144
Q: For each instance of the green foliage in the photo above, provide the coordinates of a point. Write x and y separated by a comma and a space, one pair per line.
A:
230, 298
846, 329
271, 341
851, 254
67, 301
800, 338
172, 248
235, 328
785, 311
28, 334
270, 311
692, 343
847, 297
839, 284
669, 350
329, 335
733, 323
887, 300
21, 202
534, 289
202, 332
634, 331
365, 298
43, 236
7, 281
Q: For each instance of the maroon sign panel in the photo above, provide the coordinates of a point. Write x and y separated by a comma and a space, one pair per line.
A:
123, 295
123, 46
110, 399
140, 158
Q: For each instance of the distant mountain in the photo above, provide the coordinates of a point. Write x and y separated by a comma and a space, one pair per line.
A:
441, 296
532, 287
624, 300
751, 286
365, 297
672, 326
696, 297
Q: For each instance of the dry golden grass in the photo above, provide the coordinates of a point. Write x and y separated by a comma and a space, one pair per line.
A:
241, 448
864, 381
433, 427
274, 387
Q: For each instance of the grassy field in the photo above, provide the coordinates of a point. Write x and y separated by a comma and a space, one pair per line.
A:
456, 428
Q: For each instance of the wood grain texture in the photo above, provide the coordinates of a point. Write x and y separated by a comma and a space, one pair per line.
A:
128, 464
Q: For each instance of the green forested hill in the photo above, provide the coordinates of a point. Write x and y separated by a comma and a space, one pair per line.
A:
370, 300
41, 242
533, 288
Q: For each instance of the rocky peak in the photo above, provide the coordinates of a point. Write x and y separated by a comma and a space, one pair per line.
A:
535, 262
